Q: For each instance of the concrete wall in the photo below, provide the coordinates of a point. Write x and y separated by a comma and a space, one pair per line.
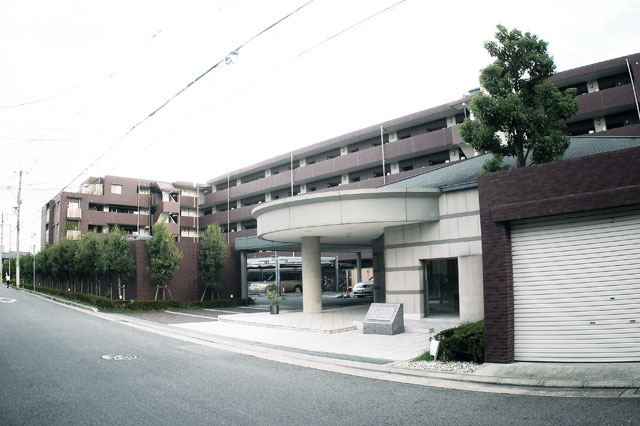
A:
456, 234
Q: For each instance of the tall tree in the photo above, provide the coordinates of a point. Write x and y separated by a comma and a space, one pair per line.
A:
87, 259
164, 256
116, 260
519, 112
213, 255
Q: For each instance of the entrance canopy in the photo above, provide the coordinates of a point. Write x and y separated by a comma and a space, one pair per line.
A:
351, 218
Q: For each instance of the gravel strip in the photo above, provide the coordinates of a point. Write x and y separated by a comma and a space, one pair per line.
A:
440, 366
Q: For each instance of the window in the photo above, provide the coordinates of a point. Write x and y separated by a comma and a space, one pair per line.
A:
116, 189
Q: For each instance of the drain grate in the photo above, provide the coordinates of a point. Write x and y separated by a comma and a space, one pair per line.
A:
113, 357
637, 392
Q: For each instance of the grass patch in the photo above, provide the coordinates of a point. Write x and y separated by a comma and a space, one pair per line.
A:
424, 357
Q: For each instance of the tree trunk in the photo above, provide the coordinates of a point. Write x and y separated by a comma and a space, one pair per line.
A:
119, 289
203, 293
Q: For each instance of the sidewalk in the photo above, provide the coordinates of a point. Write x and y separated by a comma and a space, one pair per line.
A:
329, 335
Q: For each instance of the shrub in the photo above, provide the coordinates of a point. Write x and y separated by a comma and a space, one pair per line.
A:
463, 343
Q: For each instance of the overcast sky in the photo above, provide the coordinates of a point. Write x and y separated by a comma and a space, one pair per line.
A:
77, 76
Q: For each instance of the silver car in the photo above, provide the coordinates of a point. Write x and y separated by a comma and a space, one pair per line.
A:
364, 288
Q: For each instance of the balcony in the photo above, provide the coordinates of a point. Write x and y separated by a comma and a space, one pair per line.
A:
604, 102
74, 213
73, 235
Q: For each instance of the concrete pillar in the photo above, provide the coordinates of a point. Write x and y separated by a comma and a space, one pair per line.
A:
592, 86
303, 188
451, 121
311, 276
303, 162
470, 288
344, 150
267, 173
359, 267
393, 137
453, 155
244, 287
267, 197
395, 168
344, 179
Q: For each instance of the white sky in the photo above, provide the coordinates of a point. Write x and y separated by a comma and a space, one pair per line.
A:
83, 73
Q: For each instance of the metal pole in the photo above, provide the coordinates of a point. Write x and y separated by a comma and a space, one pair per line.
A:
291, 168
1, 245
138, 203
335, 265
34, 267
197, 213
228, 206
633, 86
384, 172
278, 274
18, 232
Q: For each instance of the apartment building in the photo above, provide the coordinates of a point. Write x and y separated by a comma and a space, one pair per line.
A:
396, 149
375, 156
134, 205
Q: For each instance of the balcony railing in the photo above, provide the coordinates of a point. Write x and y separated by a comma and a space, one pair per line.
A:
73, 235
74, 213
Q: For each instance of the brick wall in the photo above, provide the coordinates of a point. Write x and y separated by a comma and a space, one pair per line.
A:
577, 185
185, 286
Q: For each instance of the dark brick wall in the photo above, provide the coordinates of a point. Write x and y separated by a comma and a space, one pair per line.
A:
185, 286
582, 184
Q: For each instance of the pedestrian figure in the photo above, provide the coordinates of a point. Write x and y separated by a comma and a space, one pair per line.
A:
8, 279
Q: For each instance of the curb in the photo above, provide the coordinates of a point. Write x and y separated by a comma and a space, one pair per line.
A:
62, 301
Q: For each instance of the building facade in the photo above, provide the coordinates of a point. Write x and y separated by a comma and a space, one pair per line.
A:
403, 193
134, 205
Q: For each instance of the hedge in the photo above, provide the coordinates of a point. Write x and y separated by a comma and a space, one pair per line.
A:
135, 305
463, 343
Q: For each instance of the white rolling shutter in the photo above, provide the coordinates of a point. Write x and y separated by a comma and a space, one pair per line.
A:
576, 282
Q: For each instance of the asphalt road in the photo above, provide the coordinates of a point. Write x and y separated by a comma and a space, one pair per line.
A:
52, 373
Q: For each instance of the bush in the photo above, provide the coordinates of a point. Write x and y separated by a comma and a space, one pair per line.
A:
463, 343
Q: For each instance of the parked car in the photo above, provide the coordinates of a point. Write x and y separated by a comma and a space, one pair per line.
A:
364, 288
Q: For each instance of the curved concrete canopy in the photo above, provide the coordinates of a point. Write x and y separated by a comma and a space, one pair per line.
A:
353, 217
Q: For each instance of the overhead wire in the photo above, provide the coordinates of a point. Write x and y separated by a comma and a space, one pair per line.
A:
343, 31
226, 59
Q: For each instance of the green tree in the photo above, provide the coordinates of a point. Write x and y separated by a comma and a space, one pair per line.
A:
63, 262
164, 257
519, 103
213, 255
88, 259
116, 260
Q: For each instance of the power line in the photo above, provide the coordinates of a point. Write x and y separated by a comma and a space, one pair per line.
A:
387, 9
227, 59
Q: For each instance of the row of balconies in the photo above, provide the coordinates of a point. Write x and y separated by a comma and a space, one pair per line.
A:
604, 101
362, 159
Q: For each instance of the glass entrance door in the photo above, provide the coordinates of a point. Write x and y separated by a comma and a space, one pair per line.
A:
441, 287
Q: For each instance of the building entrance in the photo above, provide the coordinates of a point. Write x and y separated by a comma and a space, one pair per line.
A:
441, 287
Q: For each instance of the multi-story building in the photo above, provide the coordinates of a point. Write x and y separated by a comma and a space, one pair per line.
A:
394, 150
367, 158
134, 205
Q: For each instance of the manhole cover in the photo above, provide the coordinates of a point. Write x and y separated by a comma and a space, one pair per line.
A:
119, 357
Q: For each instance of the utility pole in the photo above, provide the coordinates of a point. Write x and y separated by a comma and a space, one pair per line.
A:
18, 232
2, 245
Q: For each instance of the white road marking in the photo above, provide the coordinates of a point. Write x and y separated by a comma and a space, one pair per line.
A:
7, 300
192, 315
224, 312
